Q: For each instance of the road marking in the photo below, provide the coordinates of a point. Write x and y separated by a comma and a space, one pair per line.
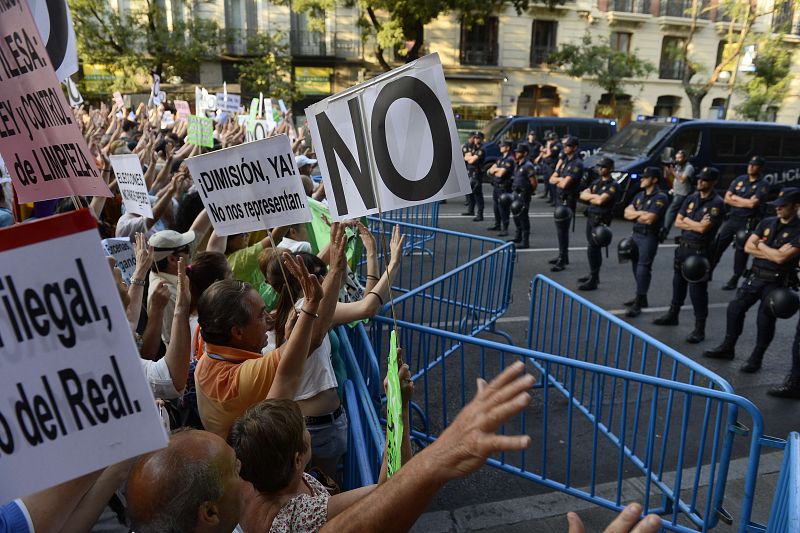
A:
577, 249
617, 312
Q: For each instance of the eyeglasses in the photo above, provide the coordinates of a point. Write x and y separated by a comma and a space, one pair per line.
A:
185, 250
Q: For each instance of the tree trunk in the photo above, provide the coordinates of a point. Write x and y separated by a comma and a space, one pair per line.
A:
696, 100
419, 38
378, 49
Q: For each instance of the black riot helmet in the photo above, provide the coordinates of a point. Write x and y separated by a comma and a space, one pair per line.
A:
505, 200
696, 269
517, 206
562, 213
783, 302
602, 235
626, 250
740, 239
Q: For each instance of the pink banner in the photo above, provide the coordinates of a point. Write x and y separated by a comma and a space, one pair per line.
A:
182, 109
40, 142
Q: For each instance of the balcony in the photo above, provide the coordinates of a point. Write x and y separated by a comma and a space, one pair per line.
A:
317, 44
683, 9
628, 11
671, 70
540, 56
479, 54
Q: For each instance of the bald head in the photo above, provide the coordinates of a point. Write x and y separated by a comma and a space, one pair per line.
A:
191, 485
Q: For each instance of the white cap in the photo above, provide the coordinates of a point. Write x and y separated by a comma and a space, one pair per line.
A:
302, 161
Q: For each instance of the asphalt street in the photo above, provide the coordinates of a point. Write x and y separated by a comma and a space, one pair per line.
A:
616, 286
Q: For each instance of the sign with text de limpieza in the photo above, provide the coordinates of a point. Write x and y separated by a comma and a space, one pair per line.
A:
398, 128
251, 187
73, 396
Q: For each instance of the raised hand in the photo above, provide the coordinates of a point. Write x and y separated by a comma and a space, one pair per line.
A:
396, 244
144, 253
338, 247
309, 283
628, 521
184, 297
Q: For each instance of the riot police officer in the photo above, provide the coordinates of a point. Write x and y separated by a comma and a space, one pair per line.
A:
744, 198
773, 244
566, 180
600, 196
534, 146
500, 174
647, 211
524, 185
466, 149
549, 158
474, 162
699, 217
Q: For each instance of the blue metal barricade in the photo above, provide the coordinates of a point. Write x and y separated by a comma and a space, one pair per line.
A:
421, 215
784, 516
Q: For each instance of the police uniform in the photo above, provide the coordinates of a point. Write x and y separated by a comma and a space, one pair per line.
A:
534, 148
695, 243
466, 149
550, 162
645, 238
597, 215
524, 174
763, 277
741, 218
502, 185
475, 171
567, 196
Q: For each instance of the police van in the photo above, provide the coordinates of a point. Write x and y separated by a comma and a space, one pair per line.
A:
727, 145
591, 132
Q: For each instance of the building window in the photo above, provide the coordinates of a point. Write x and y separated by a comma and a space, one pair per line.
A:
621, 41
479, 42
630, 6
543, 41
717, 108
671, 66
683, 8
667, 106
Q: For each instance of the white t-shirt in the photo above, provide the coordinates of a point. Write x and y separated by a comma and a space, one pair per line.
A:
159, 379
130, 224
295, 246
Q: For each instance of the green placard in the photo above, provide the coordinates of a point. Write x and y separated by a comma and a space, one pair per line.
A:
251, 124
394, 411
201, 131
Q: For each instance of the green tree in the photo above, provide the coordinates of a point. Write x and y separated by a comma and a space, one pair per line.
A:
400, 24
765, 90
268, 67
140, 40
606, 67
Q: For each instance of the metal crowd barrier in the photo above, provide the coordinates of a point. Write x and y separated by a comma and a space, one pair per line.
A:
784, 516
421, 215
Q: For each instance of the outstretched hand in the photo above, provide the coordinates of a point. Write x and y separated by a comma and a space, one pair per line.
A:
628, 521
309, 283
338, 247
396, 244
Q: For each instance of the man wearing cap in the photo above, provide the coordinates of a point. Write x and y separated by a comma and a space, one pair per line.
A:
549, 157
168, 247
566, 180
647, 211
474, 162
699, 219
500, 174
681, 172
305, 165
524, 184
600, 196
744, 198
774, 245
534, 146
466, 149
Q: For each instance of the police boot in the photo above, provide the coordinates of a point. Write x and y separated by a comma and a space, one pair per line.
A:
560, 264
629, 303
789, 389
732, 283
584, 279
726, 350
495, 227
478, 218
517, 236
504, 233
526, 243
670, 318
698, 334
590, 284
636, 308
753, 363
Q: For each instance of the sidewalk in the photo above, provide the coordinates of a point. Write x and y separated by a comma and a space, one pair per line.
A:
547, 513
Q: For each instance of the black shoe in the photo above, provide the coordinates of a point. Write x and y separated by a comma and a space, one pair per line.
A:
726, 350
750, 367
789, 389
732, 284
478, 218
468, 214
496, 227
698, 334
670, 318
589, 285
525, 243
554, 260
516, 240
636, 307
558, 267
629, 302
584, 279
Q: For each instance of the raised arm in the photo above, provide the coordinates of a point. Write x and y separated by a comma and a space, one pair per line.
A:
144, 260
180, 345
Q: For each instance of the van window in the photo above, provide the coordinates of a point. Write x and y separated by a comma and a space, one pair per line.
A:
688, 141
730, 144
772, 146
561, 130
791, 146
517, 132
600, 133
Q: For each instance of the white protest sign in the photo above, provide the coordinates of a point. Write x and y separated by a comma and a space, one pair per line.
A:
231, 105
182, 109
130, 178
155, 90
73, 396
257, 130
75, 98
118, 99
55, 26
406, 146
122, 251
282, 105
41, 143
251, 187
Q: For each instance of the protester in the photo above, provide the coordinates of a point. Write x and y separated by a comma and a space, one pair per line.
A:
170, 247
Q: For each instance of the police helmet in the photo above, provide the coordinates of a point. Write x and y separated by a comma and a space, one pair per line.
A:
606, 162
601, 235
505, 199
562, 213
517, 206
626, 250
696, 269
740, 239
783, 302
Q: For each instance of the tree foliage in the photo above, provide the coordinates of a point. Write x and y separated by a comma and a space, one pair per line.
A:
399, 25
767, 87
269, 67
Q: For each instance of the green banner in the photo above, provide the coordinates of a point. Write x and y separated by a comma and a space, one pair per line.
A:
394, 410
201, 131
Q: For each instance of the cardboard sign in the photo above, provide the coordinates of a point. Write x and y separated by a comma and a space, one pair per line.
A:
122, 251
394, 411
39, 138
251, 187
118, 99
390, 142
257, 130
182, 109
155, 90
231, 105
130, 178
55, 26
75, 98
201, 131
282, 105
73, 397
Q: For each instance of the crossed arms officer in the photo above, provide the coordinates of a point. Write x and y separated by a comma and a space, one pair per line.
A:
700, 217
474, 162
567, 180
500, 174
773, 244
744, 197
524, 184
647, 211
600, 197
